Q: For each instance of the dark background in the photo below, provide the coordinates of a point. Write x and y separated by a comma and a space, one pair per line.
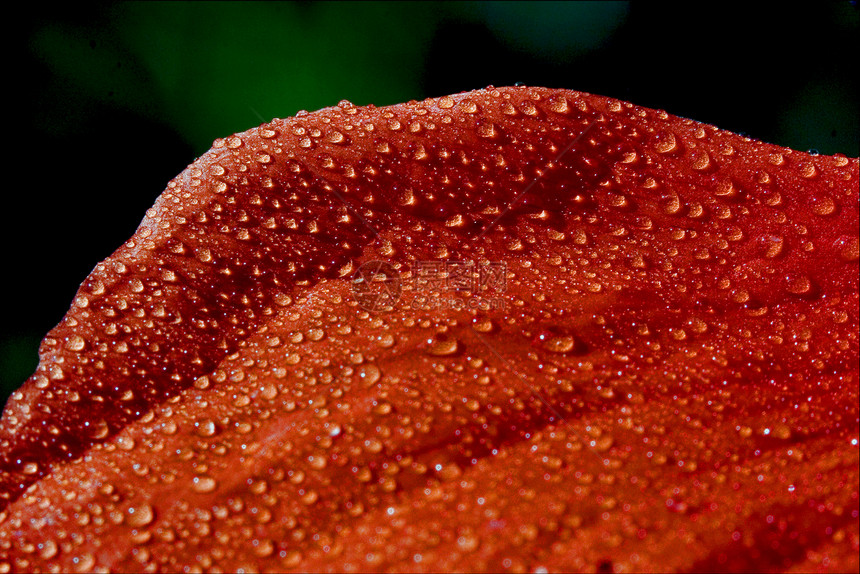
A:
109, 102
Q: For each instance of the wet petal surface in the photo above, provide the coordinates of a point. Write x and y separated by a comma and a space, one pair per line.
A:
507, 330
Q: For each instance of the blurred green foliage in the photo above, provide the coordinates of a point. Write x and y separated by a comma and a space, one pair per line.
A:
120, 97
210, 69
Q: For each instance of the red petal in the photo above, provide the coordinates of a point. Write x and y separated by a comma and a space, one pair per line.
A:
667, 381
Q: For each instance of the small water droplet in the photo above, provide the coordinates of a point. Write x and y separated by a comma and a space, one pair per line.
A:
558, 105
206, 428
666, 143
726, 189
76, 343
823, 206
269, 391
443, 348
467, 543
798, 284
808, 170
468, 106
483, 325
671, 204
48, 549
558, 343
310, 497
772, 246
369, 374
204, 484
382, 408
385, 341
848, 248
486, 130
98, 429
140, 515
315, 334
700, 160
84, 562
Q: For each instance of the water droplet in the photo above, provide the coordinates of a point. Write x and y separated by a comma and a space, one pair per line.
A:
797, 284
206, 428
269, 391
382, 408
483, 325
726, 189
823, 206
48, 549
204, 484
317, 462
772, 245
666, 143
468, 106
76, 343
700, 160
808, 170
671, 204
848, 248
98, 429
448, 472
369, 374
781, 431
455, 221
486, 130
559, 343
558, 105
310, 497
140, 515
528, 108
467, 543
443, 348
776, 158
84, 562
